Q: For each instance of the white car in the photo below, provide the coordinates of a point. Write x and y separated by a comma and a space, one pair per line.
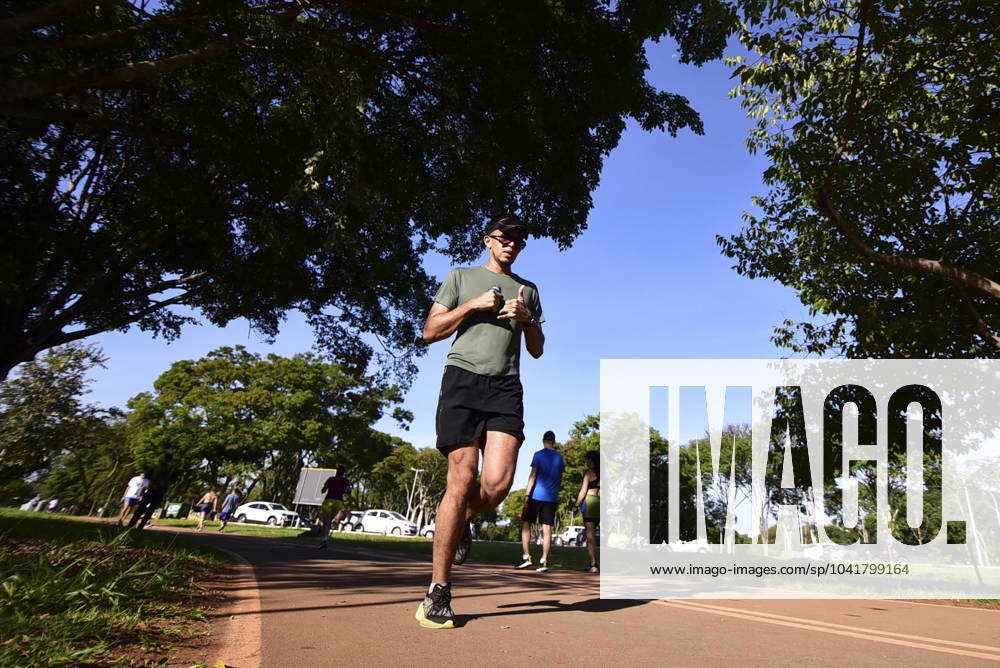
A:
263, 512
571, 535
428, 531
387, 521
352, 522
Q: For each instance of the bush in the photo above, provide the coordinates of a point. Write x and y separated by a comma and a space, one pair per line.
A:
494, 532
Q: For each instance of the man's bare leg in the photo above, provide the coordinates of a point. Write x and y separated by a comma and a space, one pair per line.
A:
449, 523
526, 537
546, 542
499, 462
464, 497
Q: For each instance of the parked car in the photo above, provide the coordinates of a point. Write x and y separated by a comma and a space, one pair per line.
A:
428, 531
263, 512
571, 535
387, 521
353, 522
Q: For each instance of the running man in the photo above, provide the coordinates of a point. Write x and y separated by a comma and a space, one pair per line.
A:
541, 499
333, 506
208, 503
480, 406
228, 507
155, 494
133, 494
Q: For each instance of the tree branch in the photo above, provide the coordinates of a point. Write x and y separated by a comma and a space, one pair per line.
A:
74, 41
917, 265
66, 337
852, 95
22, 48
977, 320
45, 15
165, 285
962, 277
24, 88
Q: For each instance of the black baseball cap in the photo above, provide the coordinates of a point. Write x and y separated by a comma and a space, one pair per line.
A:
507, 221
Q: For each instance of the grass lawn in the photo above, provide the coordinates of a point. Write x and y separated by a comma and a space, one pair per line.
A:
234, 527
86, 593
482, 550
502, 552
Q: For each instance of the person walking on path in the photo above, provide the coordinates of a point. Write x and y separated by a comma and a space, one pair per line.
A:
208, 503
333, 506
133, 494
228, 507
589, 501
154, 494
481, 405
541, 499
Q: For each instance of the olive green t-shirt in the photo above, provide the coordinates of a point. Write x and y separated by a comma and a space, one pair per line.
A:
483, 344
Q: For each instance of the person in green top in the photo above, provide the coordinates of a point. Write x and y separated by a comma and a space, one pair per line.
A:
481, 405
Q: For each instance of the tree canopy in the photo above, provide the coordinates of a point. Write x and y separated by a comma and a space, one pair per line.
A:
273, 414
879, 121
245, 159
42, 411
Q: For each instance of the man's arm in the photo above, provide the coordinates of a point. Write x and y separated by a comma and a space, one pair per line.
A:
534, 340
443, 321
515, 309
531, 484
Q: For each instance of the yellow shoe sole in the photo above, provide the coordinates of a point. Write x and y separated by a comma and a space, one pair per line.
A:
428, 624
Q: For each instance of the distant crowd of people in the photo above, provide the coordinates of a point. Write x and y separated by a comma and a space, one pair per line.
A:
142, 497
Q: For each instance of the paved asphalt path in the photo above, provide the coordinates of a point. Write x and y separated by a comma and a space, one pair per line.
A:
354, 606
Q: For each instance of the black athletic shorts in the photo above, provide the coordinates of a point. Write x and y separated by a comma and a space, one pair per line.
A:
540, 512
471, 404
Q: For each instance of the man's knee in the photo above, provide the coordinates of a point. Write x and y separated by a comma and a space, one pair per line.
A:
461, 475
495, 489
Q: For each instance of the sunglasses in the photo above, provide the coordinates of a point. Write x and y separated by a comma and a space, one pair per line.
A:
516, 243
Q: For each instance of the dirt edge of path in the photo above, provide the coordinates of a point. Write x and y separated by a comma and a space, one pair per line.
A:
236, 639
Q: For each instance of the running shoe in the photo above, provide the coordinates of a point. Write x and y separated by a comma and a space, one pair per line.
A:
435, 611
542, 567
525, 564
463, 547
322, 545
593, 569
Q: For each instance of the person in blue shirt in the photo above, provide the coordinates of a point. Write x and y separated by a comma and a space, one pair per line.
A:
229, 505
541, 499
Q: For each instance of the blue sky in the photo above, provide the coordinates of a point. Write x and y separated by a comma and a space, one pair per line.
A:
645, 280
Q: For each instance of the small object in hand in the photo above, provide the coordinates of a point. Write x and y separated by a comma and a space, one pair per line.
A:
496, 289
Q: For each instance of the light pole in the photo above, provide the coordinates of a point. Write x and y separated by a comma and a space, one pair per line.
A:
413, 489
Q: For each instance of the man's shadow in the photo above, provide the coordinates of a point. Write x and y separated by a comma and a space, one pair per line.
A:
549, 605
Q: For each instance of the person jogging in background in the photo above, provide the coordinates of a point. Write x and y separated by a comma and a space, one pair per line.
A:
133, 494
480, 406
206, 504
333, 506
165, 476
228, 507
589, 501
541, 499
